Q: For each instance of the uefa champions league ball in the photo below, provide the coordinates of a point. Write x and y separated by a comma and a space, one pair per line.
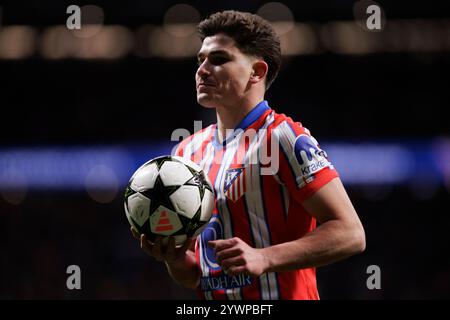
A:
169, 196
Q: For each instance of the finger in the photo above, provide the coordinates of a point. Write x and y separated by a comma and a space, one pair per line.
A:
170, 250
150, 248
134, 233
186, 245
157, 252
145, 245
236, 270
221, 244
142, 241
164, 243
145, 241
232, 262
227, 253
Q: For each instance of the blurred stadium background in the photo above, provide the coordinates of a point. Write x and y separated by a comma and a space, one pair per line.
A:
81, 110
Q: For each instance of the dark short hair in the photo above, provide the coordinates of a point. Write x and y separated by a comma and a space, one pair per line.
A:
253, 36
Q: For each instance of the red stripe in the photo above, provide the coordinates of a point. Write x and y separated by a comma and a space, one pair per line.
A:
212, 174
164, 228
238, 212
180, 149
164, 221
238, 185
244, 178
233, 192
273, 202
200, 153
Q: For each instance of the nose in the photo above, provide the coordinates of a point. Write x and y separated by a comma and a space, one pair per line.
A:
202, 71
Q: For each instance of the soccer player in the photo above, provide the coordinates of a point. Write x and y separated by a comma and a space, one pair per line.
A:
272, 181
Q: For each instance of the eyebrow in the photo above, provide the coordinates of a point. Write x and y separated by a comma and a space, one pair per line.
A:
214, 52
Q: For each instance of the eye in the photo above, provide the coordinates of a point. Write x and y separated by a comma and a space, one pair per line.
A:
200, 61
217, 61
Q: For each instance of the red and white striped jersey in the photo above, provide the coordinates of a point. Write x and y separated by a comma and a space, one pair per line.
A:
261, 175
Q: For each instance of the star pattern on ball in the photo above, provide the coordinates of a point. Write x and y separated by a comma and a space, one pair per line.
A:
160, 195
199, 181
128, 191
193, 224
160, 161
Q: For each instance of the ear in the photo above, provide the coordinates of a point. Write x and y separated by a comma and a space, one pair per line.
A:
259, 71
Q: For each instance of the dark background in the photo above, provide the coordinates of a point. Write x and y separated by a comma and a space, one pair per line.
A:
377, 97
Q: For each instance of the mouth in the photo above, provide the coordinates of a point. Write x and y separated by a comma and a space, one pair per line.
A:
205, 84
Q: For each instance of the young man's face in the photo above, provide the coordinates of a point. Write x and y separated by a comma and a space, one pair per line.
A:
223, 73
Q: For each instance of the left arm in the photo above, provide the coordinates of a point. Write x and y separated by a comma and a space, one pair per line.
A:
339, 236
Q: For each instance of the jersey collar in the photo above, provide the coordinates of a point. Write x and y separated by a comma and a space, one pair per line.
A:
250, 118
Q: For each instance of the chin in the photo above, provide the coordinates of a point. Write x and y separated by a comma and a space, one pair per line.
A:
206, 101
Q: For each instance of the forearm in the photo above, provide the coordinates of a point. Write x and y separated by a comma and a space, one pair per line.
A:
330, 242
185, 272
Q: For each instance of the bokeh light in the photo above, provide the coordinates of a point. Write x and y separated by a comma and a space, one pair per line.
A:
17, 42
279, 15
96, 180
92, 19
13, 186
181, 20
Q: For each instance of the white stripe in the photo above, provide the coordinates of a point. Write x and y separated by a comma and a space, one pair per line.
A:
255, 207
231, 294
221, 198
204, 267
269, 120
256, 193
205, 165
241, 183
196, 142
285, 199
287, 141
208, 295
221, 204
272, 279
273, 282
206, 161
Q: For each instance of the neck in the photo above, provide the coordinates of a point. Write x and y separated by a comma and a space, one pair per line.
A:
228, 117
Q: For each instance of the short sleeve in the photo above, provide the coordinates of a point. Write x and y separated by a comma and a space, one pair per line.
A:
304, 166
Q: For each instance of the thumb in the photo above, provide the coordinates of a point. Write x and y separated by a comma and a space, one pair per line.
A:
186, 244
212, 243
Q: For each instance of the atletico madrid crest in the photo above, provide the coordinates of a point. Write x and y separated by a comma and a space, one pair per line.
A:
234, 185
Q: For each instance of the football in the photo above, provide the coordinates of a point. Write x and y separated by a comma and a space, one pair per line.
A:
169, 196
